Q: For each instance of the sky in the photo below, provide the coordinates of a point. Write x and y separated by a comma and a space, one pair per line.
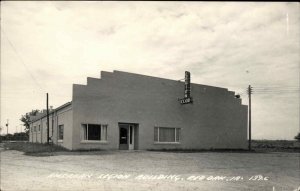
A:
47, 46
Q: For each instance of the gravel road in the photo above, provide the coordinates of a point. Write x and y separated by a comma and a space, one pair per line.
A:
145, 170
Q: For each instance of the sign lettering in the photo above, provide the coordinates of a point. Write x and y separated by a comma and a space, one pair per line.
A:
187, 89
186, 100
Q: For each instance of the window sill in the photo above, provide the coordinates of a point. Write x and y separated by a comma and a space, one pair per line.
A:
60, 141
164, 143
93, 141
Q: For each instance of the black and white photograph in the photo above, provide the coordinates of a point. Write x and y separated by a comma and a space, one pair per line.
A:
149, 95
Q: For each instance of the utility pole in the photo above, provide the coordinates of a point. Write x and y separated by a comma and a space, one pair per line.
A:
7, 130
249, 95
47, 121
7, 127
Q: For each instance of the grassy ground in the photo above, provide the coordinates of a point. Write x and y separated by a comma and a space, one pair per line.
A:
37, 149
276, 145
33, 148
257, 146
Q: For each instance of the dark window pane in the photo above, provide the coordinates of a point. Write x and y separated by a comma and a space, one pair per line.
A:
131, 129
61, 132
94, 132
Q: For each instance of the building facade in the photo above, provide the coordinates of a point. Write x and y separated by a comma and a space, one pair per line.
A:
131, 111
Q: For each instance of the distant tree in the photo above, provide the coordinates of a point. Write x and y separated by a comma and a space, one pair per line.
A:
26, 119
14, 137
298, 136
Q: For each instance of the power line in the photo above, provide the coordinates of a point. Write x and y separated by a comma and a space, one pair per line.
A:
275, 90
285, 87
22, 61
276, 85
282, 89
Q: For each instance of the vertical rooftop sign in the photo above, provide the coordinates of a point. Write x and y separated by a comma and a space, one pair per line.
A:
187, 89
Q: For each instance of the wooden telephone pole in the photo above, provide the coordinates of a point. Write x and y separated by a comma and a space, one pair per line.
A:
47, 121
249, 95
7, 127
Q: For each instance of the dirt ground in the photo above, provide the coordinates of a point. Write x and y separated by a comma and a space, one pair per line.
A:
146, 170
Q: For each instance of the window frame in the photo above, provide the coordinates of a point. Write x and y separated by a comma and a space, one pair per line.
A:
157, 141
103, 133
63, 130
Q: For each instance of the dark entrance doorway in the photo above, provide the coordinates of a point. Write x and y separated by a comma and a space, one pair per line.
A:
123, 138
128, 136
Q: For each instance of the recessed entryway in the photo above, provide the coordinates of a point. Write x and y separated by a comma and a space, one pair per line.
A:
128, 136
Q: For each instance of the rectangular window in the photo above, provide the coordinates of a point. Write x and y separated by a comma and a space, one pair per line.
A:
60, 132
104, 132
130, 130
34, 128
155, 134
167, 134
39, 127
94, 132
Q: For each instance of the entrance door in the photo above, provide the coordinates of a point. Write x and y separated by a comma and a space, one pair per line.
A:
123, 137
128, 136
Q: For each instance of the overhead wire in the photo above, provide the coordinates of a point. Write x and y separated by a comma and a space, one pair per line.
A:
22, 61
276, 90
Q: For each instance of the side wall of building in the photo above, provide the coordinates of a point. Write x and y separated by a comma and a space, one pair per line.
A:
63, 117
216, 119
38, 130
